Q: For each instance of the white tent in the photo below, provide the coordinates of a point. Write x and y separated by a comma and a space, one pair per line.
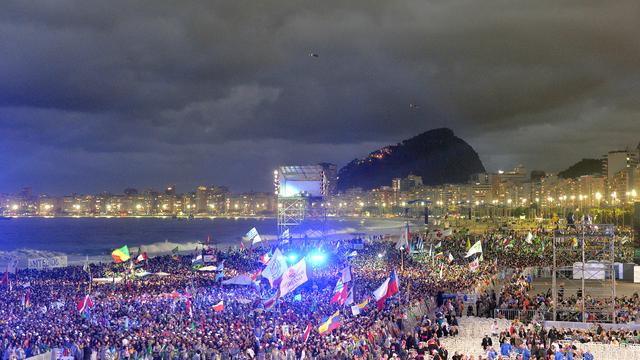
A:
208, 268
143, 274
238, 280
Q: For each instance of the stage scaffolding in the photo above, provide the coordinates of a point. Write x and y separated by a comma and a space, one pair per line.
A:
301, 213
583, 258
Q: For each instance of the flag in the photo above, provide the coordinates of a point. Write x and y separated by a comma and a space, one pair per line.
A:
121, 255
450, 258
447, 232
388, 288
26, 299
298, 297
357, 309
403, 241
188, 298
220, 267
476, 248
85, 266
242, 247
529, 238
346, 274
441, 268
143, 257
197, 262
255, 276
285, 234
473, 266
84, 306
349, 300
293, 277
276, 266
329, 324
264, 259
307, 331
340, 293
353, 253
220, 275
219, 306
439, 256
439, 244
271, 302
468, 244
253, 236
174, 253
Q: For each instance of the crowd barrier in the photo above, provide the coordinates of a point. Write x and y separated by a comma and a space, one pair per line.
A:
522, 315
580, 325
44, 356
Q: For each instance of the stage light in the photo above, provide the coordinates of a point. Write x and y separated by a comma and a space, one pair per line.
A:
317, 258
380, 255
292, 258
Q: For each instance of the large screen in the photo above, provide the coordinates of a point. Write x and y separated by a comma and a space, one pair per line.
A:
298, 187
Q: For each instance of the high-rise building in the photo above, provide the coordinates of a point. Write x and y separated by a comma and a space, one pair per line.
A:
617, 160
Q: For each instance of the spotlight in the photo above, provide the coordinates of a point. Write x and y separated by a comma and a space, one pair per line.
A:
292, 258
317, 258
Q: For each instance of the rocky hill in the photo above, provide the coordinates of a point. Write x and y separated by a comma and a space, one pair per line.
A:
582, 167
437, 155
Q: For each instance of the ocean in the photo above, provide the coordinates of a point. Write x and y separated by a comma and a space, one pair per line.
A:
95, 238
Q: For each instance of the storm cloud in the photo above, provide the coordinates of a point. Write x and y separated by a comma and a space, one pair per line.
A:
104, 95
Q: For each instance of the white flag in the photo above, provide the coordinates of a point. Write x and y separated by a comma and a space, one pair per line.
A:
253, 235
529, 238
256, 239
285, 234
276, 266
476, 248
293, 277
346, 274
349, 298
473, 266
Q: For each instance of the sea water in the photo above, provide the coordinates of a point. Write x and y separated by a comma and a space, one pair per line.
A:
95, 238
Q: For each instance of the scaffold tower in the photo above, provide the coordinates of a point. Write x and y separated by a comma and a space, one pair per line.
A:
300, 195
583, 261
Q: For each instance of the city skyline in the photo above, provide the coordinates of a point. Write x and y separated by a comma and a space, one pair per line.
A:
102, 97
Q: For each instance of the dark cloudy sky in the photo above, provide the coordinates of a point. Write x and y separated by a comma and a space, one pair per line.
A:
104, 95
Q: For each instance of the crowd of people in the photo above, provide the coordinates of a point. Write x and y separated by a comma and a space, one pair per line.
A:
173, 315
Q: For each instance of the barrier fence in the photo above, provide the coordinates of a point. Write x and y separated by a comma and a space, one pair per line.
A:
522, 315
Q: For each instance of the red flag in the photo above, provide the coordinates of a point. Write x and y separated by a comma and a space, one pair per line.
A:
307, 331
142, 257
219, 306
340, 293
189, 309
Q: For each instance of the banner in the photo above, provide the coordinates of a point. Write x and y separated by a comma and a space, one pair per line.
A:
275, 267
293, 277
47, 263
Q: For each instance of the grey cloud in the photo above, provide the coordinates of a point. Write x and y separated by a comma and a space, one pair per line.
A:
156, 85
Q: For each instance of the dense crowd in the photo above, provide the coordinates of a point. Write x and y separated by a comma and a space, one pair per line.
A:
173, 316
149, 317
